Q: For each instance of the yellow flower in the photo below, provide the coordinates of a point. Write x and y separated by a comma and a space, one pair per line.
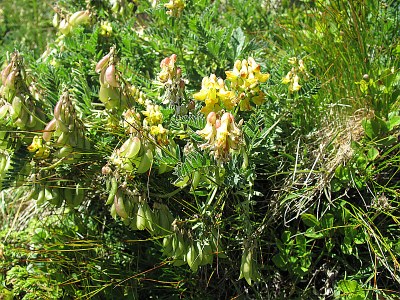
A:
245, 104
302, 68
259, 98
212, 93
160, 133
153, 115
175, 7
209, 131
292, 78
295, 86
262, 77
41, 151
105, 28
221, 135
292, 60
201, 96
156, 130
221, 142
287, 78
244, 78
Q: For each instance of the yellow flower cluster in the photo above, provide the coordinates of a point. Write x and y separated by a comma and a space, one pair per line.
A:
171, 78
153, 122
292, 77
222, 135
175, 7
153, 114
168, 69
106, 28
244, 79
213, 92
132, 121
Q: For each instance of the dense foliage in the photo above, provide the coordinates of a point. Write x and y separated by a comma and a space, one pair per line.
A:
199, 149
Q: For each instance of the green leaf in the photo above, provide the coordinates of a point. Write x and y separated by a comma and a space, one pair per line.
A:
182, 183
311, 233
279, 261
363, 86
309, 220
348, 286
375, 128
286, 236
351, 290
342, 173
388, 141
327, 223
372, 153
301, 245
393, 122
238, 39
361, 161
346, 246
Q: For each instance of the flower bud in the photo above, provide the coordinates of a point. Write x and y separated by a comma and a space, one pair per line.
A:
105, 170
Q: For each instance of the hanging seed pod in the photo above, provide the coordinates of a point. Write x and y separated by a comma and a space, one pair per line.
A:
102, 63
63, 138
16, 104
79, 17
65, 151
57, 110
32, 121
119, 205
5, 72
148, 214
56, 20
10, 81
110, 76
22, 120
141, 218
49, 129
64, 26
145, 162
4, 111
62, 126
192, 257
113, 191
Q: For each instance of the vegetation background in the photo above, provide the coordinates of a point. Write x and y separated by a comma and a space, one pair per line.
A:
306, 207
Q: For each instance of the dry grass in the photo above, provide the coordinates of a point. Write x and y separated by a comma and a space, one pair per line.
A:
311, 178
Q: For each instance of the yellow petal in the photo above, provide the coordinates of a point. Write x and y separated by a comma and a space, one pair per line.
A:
201, 95
230, 75
262, 77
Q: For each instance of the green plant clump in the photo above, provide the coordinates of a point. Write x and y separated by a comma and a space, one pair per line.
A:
199, 149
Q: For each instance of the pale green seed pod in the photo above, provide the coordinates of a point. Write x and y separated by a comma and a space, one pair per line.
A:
120, 205
141, 219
